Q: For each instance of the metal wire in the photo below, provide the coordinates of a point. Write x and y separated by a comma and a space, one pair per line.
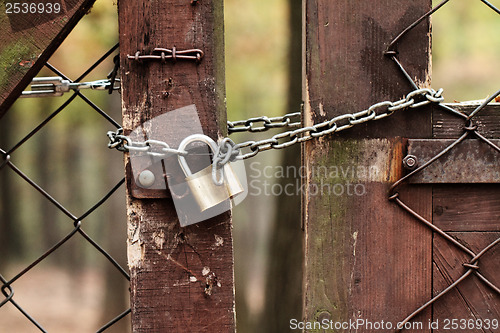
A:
472, 267
6, 162
416, 98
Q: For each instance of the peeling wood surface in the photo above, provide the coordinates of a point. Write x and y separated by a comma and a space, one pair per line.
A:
365, 258
181, 278
471, 161
28, 40
361, 250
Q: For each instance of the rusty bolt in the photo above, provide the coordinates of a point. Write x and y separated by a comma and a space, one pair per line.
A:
324, 315
410, 162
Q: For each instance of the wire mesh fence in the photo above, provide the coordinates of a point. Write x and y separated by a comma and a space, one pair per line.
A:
78, 221
469, 129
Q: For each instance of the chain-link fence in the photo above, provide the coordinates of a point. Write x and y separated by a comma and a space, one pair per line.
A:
78, 221
470, 129
8, 162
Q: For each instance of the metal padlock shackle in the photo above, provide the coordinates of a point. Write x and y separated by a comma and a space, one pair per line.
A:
186, 142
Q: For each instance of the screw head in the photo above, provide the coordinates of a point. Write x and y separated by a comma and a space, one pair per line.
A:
146, 178
410, 162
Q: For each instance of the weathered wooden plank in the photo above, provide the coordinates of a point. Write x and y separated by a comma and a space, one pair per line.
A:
29, 39
346, 70
472, 299
467, 207
471, 207
471, 161
446, 125
365, 258
181, 278
361, 250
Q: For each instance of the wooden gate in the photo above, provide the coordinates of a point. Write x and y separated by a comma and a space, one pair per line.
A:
407, 234
465, 205
414, 245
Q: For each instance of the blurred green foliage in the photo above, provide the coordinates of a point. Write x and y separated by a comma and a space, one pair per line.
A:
256, 64
256, 36
465, 50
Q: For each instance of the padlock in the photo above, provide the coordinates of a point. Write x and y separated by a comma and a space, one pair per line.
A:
231, 181
206, 193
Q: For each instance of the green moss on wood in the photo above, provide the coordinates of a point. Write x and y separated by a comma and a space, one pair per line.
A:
16, 57
330, 233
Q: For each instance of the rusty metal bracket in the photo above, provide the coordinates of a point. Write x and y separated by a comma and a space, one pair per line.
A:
173, 54
152, 180
158, 180
471, 161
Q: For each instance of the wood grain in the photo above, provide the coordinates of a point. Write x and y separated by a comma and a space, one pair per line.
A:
471, 299
181, 278
474, 207
448, 126
470, 161
365, 258
28, 40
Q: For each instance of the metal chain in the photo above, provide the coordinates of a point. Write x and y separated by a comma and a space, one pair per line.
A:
153, 148
288, 120
414, 99
375, 112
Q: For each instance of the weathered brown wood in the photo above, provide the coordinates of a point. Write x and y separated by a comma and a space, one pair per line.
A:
472, 299
365, 258
471, 161
28, 40
467, 207
472, 208
446, 125
181, 278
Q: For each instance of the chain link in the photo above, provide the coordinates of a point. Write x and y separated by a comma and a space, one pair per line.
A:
415, 99
151, 147
289, 120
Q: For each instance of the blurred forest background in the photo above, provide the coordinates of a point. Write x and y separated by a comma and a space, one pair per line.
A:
76, 290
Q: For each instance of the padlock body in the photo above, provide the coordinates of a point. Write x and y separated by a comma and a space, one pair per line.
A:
204, 191
231, 181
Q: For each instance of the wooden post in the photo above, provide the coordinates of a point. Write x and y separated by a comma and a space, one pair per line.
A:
28, 40
366, 259
181, 278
